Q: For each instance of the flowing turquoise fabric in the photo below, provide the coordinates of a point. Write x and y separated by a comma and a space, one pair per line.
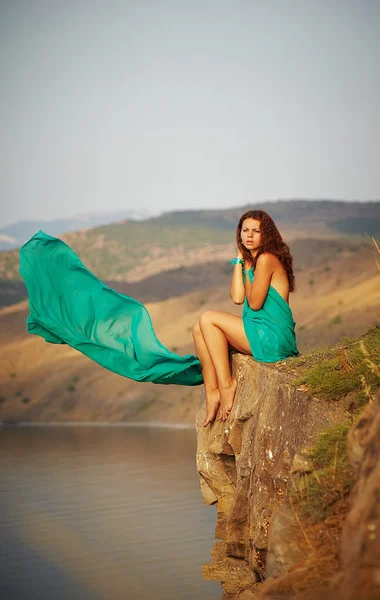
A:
69, 305
270, 330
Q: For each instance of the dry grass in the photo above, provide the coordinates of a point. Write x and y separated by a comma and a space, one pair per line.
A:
351, 367
330, 478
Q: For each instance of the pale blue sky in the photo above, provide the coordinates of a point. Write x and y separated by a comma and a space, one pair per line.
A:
168, 104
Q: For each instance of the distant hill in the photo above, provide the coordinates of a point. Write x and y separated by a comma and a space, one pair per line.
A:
14, 235
308, 254
132, 251
339, 216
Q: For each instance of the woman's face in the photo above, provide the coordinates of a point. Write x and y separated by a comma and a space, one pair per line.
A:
251, 235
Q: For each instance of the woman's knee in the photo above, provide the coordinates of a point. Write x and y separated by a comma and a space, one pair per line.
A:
206, 317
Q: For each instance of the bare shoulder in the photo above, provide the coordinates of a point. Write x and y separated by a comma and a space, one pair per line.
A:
267, 260
278, 274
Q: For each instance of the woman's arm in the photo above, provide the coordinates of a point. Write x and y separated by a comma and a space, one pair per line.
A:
237, 289
257, 291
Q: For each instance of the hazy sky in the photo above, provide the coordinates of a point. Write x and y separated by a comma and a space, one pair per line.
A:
164, 104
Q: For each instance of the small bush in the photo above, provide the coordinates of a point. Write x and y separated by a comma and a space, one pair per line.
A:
331, 447
26, 399
331, 478
336, 320
331, 373
71, 388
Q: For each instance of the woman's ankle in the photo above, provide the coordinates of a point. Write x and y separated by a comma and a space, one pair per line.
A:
227, 384
211, 391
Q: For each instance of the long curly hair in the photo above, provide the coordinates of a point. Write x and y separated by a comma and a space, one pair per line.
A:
271, 241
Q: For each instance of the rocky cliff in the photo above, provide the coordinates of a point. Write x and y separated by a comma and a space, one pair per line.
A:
257, 469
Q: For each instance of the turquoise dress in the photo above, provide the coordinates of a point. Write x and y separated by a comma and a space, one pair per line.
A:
69, 305
270, 330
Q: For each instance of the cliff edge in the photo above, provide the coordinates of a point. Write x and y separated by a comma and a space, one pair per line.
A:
259, 469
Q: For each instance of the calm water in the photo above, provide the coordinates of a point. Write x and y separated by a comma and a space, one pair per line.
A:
106, 513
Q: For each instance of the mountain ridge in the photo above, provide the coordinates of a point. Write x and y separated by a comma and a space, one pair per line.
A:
15, 234
307, 255
133, 250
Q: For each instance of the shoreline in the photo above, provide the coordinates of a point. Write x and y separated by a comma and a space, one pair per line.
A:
136, 424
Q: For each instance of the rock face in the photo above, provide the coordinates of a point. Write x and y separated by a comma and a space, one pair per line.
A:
245, 464
360, 548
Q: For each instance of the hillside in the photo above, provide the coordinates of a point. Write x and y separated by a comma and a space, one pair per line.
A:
15, 234
336, 216
132, 251
307, 253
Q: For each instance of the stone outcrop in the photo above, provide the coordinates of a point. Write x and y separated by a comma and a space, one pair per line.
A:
265, 549
360, 548
355, 572
245, 466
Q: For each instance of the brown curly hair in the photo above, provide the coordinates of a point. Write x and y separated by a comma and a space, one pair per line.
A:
271, 241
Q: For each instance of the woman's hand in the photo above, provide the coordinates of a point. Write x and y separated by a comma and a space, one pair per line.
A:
237, 289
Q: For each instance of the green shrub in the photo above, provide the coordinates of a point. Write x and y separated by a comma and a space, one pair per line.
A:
330, 479
331, 373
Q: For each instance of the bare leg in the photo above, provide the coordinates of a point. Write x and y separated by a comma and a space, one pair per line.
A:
220, 329
209, 375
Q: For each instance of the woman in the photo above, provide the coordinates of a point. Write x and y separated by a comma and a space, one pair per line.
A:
262, 279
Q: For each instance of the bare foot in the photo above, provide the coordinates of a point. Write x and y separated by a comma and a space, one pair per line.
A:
227, 396
212, 405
